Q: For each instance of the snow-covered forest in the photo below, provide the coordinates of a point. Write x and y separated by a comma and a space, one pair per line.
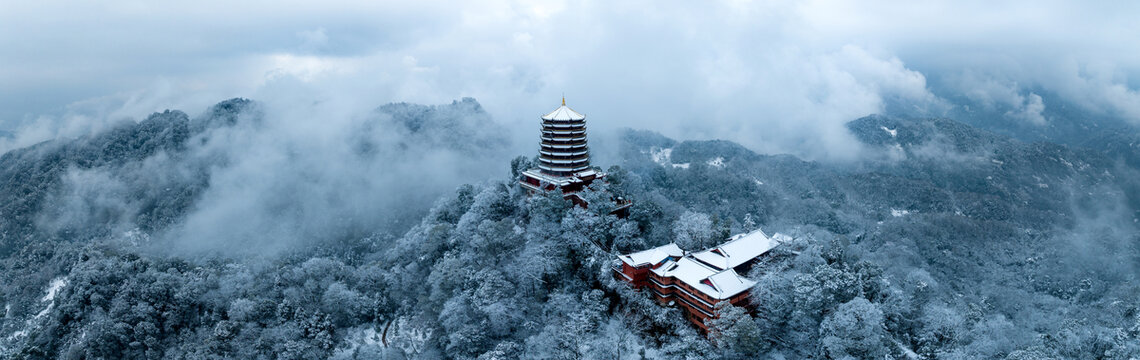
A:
197, 237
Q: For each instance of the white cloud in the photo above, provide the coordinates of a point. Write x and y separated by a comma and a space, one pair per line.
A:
776, 76
1005, 96
1030, 110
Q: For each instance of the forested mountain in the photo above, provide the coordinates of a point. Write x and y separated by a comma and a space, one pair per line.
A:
991, 246
1062, 121
209, 237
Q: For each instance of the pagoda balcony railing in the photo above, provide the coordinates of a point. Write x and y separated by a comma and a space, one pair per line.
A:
563, 169
568, 143
553, 132
566, 132
564, 138
563, 128
563, 149
557, 147
548, 143
558, 155
562, 153
564, 161
564, 156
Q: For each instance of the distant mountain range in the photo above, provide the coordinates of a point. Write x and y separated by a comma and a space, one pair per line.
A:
217, 235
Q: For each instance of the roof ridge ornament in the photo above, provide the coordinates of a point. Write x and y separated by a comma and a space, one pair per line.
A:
563, 99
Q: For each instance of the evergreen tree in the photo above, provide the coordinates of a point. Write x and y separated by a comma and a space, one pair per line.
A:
734, 332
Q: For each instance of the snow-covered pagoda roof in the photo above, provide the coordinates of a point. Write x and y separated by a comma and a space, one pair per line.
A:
564, 113
739, 249
653, 256
564, 180
552, 179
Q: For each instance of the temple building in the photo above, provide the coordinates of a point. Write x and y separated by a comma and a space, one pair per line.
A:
564, 158
698, 281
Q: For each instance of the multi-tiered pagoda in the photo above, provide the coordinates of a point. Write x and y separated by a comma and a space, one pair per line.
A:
564, 152
564, 158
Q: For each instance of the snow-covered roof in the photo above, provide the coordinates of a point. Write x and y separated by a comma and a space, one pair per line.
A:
551, 179
729, 283
718, 284
711, 271
653, 256
685, 269
739, 249
586, 173
564, 113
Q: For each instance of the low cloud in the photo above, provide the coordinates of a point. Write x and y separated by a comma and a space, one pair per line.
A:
299, 168
313, 172
1006, 98
1030, 109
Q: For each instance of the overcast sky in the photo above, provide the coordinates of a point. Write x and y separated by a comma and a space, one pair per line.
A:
777, 76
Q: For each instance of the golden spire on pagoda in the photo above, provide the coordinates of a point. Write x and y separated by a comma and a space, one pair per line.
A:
563, 100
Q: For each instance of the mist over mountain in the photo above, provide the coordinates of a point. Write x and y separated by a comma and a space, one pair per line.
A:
215, 172
400, 233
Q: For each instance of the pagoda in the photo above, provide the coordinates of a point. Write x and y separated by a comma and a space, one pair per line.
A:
564, 158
